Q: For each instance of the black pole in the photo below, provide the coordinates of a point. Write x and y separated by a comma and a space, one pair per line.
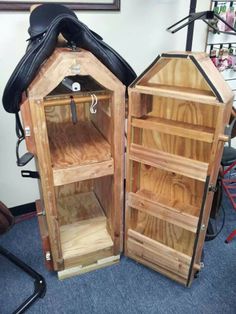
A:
189, 41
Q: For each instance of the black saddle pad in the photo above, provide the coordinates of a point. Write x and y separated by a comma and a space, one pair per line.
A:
46, 23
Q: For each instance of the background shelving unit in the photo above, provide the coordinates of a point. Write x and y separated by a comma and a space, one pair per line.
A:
223, 41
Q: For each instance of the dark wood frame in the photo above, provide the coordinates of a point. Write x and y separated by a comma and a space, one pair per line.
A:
25, 5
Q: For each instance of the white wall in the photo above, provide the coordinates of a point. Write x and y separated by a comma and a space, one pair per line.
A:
137, 32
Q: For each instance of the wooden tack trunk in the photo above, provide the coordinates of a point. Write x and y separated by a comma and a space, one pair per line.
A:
80, 164
178, 110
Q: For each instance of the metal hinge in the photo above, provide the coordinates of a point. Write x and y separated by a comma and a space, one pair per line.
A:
212, 188
27, 131
42, 213
48, 256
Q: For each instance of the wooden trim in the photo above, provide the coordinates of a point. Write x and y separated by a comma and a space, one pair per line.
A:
43, 228
27, 123
81, 173
44, 163
176, 128
25, 6
88, 259
79, 270
158, 254
163, 211
173, 163
178, 93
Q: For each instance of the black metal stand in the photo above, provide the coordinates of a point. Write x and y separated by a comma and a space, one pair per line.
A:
39, 282
208, 17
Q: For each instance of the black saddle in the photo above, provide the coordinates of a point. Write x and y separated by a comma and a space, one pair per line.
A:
47, 21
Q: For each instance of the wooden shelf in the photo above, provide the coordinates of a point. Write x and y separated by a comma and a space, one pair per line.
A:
82, 238
158, 254
184, 166
176, 128
189, 94
88, 235
78, 152
182, 215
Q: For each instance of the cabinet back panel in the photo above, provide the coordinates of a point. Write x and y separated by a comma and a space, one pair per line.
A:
159, 230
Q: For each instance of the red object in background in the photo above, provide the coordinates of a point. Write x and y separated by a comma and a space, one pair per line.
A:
229, 186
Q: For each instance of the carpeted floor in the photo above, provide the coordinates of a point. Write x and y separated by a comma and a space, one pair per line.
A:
124, 288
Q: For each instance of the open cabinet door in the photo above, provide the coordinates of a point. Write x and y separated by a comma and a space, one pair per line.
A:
178, 110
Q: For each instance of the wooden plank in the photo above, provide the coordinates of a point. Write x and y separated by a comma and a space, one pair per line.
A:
117, 151
102, 120
78, 207
188, 94
158, 253
27, 123
177, 128
172, 163
43, 228
84, 237
46, 180
89, 258
163, 211
68, 175
140, 104
74, 271
76, 144
157, 268
215, 160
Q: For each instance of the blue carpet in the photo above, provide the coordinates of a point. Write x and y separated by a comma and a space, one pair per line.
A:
124, 288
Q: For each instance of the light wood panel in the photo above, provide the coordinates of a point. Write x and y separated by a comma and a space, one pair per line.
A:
205, 97
161, 208
169, 162
78, 270
182, 67
74, 188
62, 114
76, 144
158, 253
78, 207
162, 231
71, 174
176, 128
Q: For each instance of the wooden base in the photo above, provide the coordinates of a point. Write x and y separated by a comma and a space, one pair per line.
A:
79, 270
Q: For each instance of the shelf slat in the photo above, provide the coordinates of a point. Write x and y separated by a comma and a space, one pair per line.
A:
85, 172
171, 127
158, 254
164, 211
184, 166
200, 96
85, 237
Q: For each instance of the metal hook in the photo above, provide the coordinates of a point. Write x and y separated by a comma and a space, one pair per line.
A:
92, 108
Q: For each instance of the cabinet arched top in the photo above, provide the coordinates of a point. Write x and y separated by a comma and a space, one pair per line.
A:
65, 62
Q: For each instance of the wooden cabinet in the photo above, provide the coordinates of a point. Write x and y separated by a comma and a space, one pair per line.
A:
79, 155
178, 110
